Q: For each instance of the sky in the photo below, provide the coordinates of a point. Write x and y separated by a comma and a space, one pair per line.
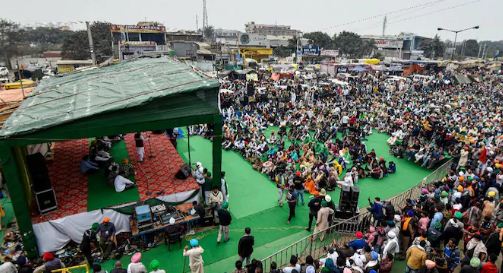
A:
422, 17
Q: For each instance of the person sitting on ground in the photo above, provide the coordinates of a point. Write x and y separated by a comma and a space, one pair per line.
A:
121, 183
87, 166
126, 169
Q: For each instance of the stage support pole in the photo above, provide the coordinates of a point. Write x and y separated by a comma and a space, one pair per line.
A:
217, 149
12, 173
188, 146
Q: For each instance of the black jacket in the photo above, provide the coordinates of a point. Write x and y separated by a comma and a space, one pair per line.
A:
225, 217
314, 205
245, 246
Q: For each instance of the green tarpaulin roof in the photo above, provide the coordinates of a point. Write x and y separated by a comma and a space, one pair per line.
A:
124, 91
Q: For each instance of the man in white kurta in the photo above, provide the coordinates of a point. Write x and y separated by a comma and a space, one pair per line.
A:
195, 259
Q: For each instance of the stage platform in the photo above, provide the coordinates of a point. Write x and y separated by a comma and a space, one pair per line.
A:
78, 193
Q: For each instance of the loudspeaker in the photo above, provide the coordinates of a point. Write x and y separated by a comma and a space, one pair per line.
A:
38, 172
46, 201
184, 172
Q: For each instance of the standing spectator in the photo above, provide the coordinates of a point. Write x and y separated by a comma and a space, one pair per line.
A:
322, 219
7, 266
471, 267
293, 265
136, 266
376, 209
50, 263
154, 267
386, 264
245, 246
291, 198
314, 206
415, 257
97, 269
140, 146
23, 265
298, 183
225, 219
195, 256
451, 255
239, 267
490, 265
118, 268
309, 267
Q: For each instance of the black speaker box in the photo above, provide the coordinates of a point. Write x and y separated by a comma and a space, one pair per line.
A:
46, 201
38, 172
184, 172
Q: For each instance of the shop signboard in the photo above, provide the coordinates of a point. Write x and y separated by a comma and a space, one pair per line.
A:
310, 50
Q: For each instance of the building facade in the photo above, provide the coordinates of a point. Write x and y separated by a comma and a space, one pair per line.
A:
275, 30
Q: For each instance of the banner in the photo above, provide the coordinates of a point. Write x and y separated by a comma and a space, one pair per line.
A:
310, 50
139, 29
330, 52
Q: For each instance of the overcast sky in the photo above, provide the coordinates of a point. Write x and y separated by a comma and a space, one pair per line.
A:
362, 16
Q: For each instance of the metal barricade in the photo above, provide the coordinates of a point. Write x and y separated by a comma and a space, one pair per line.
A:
73, 269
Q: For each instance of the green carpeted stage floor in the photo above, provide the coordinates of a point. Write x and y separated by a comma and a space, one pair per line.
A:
99, 194
253, 203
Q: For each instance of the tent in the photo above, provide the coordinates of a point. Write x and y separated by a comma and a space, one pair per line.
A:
138, 95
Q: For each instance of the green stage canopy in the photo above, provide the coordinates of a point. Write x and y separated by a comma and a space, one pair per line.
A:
122, 89
138, 95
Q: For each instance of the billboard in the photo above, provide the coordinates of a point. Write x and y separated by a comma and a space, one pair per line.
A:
330, 52
138, 29
388, 43
310, 50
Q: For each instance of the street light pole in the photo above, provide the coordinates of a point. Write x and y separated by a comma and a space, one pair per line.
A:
456, 36
455, 45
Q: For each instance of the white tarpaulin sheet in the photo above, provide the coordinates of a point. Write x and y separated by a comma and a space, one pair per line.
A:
54, 235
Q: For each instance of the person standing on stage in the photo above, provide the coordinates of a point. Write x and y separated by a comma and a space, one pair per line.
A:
89, 240
195, 256
140, 146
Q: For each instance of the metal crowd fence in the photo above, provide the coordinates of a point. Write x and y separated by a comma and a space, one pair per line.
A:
342, 231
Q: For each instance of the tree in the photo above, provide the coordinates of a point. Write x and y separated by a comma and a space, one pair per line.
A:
433, 48
471, 48
320, 39
352, 45
283, 51
102, 40
209, 33
76, 46
9, 40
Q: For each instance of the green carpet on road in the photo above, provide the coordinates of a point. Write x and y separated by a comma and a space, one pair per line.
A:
253, 204
100, 194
